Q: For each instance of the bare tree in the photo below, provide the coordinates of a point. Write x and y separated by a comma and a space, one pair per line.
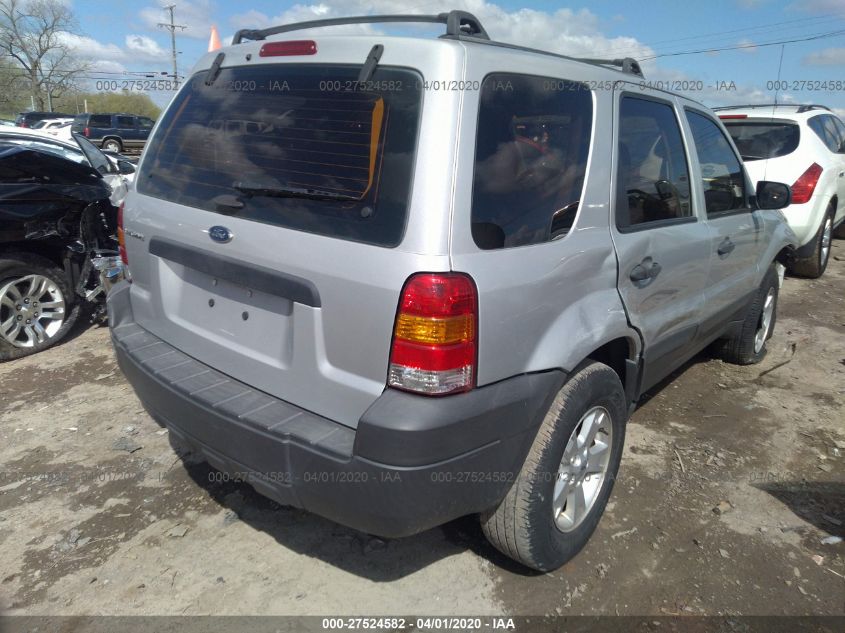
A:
32, 35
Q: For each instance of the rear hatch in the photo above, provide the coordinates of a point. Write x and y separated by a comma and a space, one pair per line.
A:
270, 203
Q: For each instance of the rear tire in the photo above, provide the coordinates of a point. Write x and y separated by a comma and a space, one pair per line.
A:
748, 347
582, 433
25, 280
113, 145
813, 267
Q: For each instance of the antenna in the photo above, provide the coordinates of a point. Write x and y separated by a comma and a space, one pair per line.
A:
172, 28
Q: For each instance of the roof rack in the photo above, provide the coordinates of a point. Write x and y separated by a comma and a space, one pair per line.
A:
801, 107
813, 106
626, 64
460, 25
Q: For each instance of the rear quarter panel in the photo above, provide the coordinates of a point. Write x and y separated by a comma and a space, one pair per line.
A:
546, 305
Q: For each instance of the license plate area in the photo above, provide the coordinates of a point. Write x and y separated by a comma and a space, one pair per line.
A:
237, 317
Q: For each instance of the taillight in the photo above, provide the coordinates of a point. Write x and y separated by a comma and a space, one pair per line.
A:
121, 238
284, 49
434, 338
86, 132
725, 117
802, 189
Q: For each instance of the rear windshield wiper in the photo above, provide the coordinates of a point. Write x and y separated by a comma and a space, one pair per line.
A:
291, 192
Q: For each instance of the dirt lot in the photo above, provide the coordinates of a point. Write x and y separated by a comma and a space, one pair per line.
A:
98, 516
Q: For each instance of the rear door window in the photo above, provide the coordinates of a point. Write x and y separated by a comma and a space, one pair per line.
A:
825, 129
760, 141
652, 173
99, 120
126, 122
304, 147
721, 172
531, 153
841, 128
48, 148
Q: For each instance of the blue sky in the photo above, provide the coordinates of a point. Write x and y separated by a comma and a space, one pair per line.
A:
122, 37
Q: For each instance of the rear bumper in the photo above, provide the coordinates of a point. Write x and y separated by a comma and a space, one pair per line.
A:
413, 462
805, 220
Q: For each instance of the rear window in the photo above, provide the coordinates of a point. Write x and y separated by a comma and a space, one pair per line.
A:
531, 153
760, 141
299, 146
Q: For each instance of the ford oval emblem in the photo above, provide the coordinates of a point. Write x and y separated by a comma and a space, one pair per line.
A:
220, 234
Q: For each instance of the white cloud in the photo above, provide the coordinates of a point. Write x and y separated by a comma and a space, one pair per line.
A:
563, 31
137, 48
817, 6
90, 49
141, 46
748, 46
826, 57
196, 15
107, 67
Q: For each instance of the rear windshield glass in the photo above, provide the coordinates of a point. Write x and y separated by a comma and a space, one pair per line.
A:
300, 146
759, 141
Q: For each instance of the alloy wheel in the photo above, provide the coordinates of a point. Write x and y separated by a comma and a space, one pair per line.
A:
765, 321
827, 233
32, 310
583, 469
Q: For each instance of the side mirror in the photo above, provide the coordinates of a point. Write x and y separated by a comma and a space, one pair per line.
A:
125, 167
773, 195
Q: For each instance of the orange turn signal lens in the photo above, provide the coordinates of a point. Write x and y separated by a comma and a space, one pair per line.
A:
434, 331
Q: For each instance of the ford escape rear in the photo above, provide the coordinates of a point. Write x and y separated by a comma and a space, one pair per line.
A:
394, 305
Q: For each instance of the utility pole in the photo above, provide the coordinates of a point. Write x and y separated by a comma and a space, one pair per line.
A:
172, 28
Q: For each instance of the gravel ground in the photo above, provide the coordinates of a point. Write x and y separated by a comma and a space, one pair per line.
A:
732, 483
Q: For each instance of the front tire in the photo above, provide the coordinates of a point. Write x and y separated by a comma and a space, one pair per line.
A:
813, 267
555, 504
748, 346
37, 307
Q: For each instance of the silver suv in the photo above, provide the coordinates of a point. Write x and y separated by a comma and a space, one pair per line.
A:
395, 281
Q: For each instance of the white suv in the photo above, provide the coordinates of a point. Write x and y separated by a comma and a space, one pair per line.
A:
803, 145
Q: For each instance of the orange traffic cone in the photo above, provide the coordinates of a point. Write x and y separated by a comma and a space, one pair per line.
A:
214, 40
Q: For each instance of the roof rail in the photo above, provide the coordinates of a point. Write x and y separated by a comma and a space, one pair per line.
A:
800, 107
458, 23
627, 64
813, 106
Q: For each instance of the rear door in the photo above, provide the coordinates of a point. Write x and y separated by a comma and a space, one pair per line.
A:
265, 230
127, 129
662, 246
99, 125
735, 231
145, 126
